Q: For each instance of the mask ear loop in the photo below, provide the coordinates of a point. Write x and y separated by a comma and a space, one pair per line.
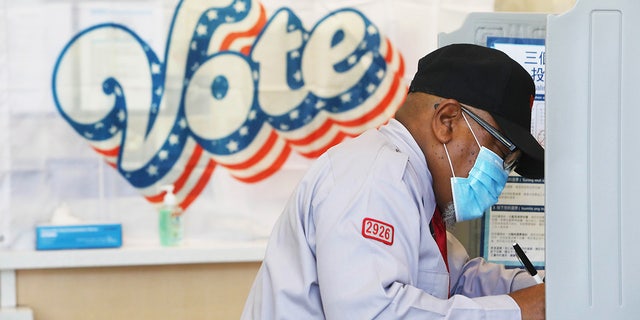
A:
445, 146
449, 158
472, 133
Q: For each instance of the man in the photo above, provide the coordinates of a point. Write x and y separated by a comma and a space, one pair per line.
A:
361, 237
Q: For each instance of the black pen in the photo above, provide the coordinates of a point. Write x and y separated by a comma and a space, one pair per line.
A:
526, 262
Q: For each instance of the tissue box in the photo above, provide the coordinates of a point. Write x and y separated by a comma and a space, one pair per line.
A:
81, 236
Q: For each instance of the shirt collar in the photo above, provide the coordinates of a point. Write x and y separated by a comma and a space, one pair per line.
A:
403, 140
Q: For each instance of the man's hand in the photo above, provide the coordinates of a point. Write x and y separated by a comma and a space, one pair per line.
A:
531, 302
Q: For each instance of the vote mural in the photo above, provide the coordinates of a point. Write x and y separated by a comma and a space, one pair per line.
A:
234, 90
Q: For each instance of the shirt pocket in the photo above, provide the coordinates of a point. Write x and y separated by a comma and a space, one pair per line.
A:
435, 283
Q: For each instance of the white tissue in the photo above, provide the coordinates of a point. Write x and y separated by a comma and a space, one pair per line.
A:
62, 216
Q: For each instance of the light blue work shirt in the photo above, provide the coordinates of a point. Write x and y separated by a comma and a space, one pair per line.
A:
354, 243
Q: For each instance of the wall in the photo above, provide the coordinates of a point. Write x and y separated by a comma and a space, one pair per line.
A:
197, 291
553, 6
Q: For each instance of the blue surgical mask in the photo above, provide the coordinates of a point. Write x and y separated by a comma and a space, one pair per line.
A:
473, 195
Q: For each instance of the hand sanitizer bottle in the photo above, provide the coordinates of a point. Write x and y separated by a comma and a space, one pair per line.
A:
170, 220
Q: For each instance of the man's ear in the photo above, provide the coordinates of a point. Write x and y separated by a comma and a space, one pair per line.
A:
444, 116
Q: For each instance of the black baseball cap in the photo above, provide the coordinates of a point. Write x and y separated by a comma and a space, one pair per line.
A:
490, 80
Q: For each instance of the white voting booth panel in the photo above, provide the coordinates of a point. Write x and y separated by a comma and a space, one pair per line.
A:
592, 153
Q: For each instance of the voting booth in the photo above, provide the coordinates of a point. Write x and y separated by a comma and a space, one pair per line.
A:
589, 64
592, 152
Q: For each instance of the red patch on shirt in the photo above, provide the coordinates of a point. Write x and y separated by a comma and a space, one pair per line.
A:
377, 230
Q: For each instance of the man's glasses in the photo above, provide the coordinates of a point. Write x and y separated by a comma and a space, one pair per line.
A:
511, 160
